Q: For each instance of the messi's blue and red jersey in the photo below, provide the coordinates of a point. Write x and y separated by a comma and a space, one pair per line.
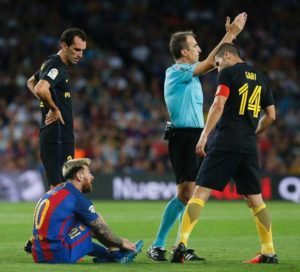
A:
61, 220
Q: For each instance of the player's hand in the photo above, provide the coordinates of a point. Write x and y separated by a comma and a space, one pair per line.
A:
237, 25
201, 145
128, 245
52, 116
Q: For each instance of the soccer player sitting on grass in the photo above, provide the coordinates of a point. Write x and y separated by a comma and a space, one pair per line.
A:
65, 221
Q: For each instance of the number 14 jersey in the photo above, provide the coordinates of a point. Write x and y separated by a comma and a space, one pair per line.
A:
248, 92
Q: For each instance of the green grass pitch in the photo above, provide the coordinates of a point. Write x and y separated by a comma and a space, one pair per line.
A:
225, 236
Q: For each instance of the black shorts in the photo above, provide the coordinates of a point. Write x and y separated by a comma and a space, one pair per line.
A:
182, 149
53, 156
219, 167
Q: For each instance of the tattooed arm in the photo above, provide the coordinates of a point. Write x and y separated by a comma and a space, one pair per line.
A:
104, 235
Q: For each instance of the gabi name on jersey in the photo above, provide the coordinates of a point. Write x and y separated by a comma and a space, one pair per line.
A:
250, 75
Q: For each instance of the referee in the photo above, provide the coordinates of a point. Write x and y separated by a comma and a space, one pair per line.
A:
184, 101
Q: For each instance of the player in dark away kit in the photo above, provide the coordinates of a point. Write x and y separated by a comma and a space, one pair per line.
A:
241, 94
51, 85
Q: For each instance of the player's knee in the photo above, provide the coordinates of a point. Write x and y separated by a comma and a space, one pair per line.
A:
254, 200
247, 201
183, 199
185, 195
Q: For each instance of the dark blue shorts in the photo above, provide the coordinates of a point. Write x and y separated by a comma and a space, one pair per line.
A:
77, 244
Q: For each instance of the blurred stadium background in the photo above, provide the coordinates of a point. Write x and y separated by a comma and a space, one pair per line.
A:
120, 117
118, 89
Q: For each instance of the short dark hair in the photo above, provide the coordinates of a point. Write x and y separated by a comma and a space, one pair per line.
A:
228, 47
178, 42
68, 35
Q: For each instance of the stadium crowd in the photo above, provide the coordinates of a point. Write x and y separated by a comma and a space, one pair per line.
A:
118, 87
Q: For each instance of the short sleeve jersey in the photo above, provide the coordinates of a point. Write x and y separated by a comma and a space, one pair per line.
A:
248, 93
55, 72
58, 211
183, 96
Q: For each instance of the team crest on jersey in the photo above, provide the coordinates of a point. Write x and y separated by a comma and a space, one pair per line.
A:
92, 209
53, 73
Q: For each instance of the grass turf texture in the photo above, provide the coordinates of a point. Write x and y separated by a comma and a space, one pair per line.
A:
225, 236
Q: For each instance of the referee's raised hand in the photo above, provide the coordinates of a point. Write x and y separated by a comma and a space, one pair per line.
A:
237, 25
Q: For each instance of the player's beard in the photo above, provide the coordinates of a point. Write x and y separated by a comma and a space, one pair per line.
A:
87, 188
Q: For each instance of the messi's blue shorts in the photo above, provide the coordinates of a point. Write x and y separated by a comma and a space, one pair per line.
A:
74, 246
